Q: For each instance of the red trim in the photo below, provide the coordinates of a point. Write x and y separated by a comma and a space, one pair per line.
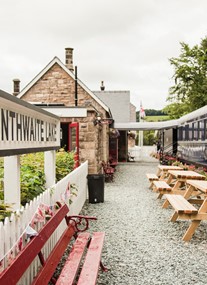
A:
76, 156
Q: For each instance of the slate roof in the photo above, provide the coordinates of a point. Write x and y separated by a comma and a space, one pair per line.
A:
118, 102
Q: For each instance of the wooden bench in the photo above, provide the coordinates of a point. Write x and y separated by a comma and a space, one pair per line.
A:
108, 171
181, 205
152, 177
162, 187
196, 193
83, 242
186, 211
113, 162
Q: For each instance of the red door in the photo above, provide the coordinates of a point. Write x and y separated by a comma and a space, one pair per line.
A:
73, 139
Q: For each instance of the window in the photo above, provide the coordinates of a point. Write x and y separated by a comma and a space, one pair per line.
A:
201, 130
186, 138
190, 131
180, 133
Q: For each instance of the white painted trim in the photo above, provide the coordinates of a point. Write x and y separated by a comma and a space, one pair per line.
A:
12, 181
49, 167
67, 112
146, 125
162, 125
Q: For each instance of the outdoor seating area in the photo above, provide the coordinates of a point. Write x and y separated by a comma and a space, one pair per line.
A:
185, 191
149, 231
142, 244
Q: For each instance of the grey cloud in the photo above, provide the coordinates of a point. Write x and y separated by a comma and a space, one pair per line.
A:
126, 43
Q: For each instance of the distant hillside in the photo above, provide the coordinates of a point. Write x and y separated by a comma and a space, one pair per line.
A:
153, 115
152, 112
156, 118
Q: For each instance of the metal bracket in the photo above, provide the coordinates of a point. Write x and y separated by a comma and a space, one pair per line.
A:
80, 223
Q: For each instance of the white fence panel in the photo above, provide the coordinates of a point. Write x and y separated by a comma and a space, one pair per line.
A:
13, 228
142, 153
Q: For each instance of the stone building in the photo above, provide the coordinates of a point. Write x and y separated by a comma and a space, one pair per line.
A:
123, 111
84, 117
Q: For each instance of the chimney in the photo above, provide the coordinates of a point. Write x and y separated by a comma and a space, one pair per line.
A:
16, 87
69, 58
102, 86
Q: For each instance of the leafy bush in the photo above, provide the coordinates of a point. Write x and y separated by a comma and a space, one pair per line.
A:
5, 211
32, 173
64, 164
32, 176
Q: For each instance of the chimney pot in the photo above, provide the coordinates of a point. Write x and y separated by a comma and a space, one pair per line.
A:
69, 58
102, 86
16, 87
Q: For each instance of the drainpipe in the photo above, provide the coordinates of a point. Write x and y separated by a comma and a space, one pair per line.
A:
76, 87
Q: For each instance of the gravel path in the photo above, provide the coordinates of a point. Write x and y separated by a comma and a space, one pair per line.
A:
141, 245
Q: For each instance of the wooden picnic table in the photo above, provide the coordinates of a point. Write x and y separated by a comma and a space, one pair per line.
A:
196, 185
178, 178
181, 176
163, 170
196, 193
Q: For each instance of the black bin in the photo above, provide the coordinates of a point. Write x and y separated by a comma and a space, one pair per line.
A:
96, 188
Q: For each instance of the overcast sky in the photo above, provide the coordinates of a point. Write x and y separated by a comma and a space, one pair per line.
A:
125, 43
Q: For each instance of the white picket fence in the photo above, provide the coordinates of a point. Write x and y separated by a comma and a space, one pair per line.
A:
12, 229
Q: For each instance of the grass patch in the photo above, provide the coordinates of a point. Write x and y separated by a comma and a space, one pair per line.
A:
156, 118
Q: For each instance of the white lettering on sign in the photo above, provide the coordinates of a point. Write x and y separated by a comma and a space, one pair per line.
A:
20, 127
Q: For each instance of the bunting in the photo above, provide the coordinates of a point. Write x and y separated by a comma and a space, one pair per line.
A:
42, 214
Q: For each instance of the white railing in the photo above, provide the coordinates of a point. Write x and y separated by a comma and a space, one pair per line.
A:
13, 227
141, 153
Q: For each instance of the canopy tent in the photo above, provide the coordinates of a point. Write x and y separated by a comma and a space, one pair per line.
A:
142, 126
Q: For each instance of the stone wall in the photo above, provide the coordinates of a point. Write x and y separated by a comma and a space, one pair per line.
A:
56, 86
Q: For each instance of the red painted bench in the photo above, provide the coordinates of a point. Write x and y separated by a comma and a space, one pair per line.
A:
73, 268
108, 171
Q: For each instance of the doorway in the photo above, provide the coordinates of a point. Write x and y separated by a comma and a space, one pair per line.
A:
70, 137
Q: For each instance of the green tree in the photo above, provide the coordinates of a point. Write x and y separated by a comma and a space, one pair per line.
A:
149, 138
190, 74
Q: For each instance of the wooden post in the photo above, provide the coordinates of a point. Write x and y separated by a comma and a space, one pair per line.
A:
12, 181
49, 167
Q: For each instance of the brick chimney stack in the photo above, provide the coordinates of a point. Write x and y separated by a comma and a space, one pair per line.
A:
69, 58
102, 86
16, 87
